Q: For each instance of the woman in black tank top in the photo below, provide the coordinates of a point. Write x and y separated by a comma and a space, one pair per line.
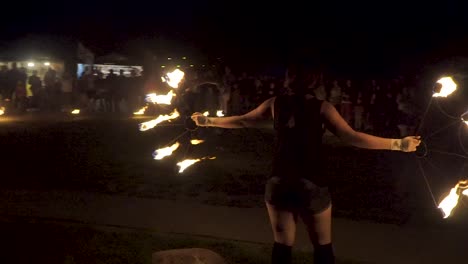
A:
297, 188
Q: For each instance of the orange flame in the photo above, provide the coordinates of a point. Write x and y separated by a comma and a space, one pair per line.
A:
75, 111
164, 152
2, 110
451, 200
174, 78
196, 141
189, 162
219, 113
152, 123
161, 98
448, 87
141, 111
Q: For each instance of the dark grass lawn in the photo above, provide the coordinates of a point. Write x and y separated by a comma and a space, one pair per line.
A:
112, 156
37, 241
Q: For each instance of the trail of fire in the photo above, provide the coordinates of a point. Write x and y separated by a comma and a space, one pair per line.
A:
196, 141
152, 123
165, 152
161, 98
189, 162
141, 111
451, 200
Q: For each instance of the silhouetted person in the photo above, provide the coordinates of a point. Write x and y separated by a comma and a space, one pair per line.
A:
36, 88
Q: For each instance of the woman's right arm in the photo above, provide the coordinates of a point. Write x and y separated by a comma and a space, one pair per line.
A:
338, 126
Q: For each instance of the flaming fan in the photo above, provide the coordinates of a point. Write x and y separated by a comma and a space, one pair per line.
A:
172, 79
444, 88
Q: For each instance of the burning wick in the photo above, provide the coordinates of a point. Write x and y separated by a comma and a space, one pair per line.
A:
2, 110
159, 154
141, 111
219, 113
445, 87
451, 200
152, 123
189, 162
75, 111
196, 141
206, 113
160, 99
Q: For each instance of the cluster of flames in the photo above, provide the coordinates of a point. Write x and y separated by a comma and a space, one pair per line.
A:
451, 200
173, 79
161, 153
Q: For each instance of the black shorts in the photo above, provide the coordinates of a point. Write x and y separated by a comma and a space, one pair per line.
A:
301, 194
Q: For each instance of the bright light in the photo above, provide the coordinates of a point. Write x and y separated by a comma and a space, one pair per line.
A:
152, 123
447, 87
186, 163
219, 113
174, 78
178, 66
162, 66
161, 98
141, 111
46, 63
30, 64
196, 141
184, 58
189, 162
75, 111
169, 58
191, 65
2, 110
206, 113
164, 152
451, 200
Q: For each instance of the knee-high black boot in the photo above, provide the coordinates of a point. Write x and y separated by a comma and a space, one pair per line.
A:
281, 254
323, 254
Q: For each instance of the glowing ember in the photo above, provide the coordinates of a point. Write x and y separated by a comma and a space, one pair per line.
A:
160, 99
141, 111
196, 141
189, 162
174, 78
206, 113
219, 113
2, 110
75, 111
164, 152
451, 200
186, 163
447, 87
152, 123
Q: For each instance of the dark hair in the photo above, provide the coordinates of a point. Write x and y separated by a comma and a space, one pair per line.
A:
298, 78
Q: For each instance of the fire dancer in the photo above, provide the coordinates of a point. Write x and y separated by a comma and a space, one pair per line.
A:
297, 187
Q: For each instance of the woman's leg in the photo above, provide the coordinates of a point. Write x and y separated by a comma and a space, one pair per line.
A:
283, 224
319, 229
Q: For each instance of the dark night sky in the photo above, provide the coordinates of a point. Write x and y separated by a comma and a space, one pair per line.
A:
337, 31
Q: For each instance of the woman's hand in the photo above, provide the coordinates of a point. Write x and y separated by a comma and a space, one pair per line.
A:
200, 119
410, 143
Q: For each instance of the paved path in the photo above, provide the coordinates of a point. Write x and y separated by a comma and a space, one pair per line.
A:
359, 241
